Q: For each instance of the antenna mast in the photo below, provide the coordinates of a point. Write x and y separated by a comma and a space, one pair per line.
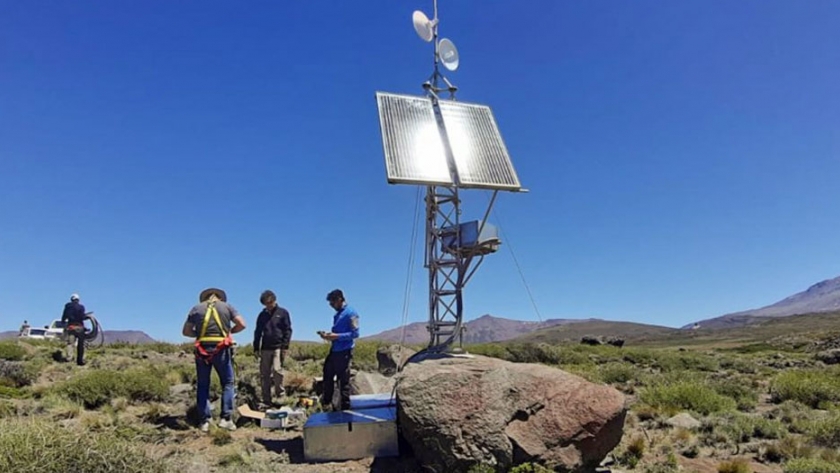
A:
446, 146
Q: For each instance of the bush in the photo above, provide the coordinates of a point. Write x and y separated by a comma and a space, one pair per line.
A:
686, 395
810, 465
15, 374
633, 454
96, 388
734, 466
691, 362
493, 350
617, 373
810, 387
745, 396
530, 468
742, 428
787, 449
47, 448
11, 351
826, 432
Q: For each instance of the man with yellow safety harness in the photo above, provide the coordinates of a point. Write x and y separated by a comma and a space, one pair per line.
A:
210, 323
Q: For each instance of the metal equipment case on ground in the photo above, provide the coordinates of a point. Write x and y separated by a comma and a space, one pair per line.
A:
368, 429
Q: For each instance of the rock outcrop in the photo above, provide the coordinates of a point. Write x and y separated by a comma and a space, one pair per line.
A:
391, 357
457, 412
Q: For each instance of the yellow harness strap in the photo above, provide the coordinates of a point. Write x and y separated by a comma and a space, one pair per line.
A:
211, 311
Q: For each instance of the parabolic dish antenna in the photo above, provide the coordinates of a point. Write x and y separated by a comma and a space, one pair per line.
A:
424, 27
448, 54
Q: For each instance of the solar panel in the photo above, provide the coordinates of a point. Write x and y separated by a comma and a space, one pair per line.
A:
480, 154
414, 152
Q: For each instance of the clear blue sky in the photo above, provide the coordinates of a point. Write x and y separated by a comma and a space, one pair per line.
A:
683, 157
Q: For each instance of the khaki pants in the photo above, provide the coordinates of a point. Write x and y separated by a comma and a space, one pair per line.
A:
271, 372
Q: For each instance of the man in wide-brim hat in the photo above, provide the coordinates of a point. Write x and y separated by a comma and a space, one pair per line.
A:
205, 294
211, 322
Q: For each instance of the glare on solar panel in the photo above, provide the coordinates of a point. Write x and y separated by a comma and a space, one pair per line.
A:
414, 152
480, 154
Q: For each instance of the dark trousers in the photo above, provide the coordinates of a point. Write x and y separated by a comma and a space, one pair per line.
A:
337, 365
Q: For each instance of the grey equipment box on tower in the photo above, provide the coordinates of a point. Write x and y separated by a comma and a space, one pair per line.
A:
351, 435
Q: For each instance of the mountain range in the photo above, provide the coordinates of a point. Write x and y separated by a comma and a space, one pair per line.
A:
823, 296
111, 336
486, 328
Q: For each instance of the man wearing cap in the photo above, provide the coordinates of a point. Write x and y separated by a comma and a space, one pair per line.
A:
212, 322
345, 330
73, 320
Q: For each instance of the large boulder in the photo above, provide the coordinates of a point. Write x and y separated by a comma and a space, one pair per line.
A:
457, 412
391, 357
362, 382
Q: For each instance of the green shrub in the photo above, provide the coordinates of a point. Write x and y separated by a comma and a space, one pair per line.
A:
11, 351
691, 361
48, 448
738, 364
309, 351
529, 468
640, 356
745, 396
535, 353
481, 468
9, 392
787, 449
617, 373
811, 465
742, 428
795, 415
633, 453
493, 350
826, 431
16, 374
96, 388
686, 395
364, 355
810, 387
734, 466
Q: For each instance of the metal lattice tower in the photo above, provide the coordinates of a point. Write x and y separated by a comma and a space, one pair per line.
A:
446, 146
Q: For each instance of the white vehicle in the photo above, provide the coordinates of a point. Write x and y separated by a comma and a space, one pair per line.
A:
34, 333
49, 332
56, 329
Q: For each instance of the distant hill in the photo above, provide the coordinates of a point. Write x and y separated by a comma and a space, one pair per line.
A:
823, 296
486, 328
629, 331
111, 336
760, 330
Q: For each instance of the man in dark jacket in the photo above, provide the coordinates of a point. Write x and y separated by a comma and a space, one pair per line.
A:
271, 341
74, 328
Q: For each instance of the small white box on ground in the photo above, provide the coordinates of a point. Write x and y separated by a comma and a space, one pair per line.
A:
268, 423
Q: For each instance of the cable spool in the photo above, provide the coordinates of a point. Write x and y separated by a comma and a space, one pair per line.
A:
95, 337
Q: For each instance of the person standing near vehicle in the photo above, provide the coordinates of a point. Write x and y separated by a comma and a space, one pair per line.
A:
271, 341
212, 322
73, 319
24, 329
345, 330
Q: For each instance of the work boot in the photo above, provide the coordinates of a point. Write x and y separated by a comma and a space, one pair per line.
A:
227, 424
205, 426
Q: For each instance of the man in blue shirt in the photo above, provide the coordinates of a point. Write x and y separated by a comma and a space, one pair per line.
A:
345, 330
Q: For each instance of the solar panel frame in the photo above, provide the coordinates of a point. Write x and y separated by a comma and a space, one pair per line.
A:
480, 154
414, 151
